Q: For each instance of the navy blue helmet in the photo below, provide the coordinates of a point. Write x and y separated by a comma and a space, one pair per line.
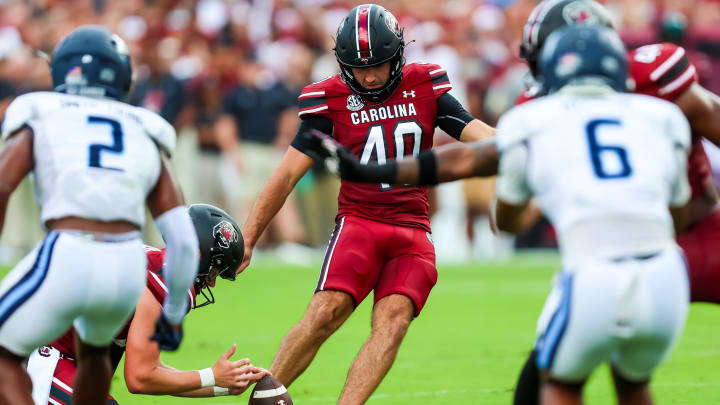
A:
583, 54
92, 61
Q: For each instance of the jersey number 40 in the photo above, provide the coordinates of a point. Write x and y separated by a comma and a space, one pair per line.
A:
376, 148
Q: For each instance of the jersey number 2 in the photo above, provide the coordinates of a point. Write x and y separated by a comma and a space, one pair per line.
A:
116, 147
375, 143
599, 151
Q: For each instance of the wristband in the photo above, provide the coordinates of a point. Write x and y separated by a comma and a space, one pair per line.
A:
220, 391
207, 377
428, 175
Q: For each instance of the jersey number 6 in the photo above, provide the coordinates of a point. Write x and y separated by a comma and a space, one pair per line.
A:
598, 151
116, 147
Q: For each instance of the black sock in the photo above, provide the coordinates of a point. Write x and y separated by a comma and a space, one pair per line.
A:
527, 391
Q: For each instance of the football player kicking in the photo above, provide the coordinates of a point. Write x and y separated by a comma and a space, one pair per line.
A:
52, 368
379, 108
96, 162
659, 70
610, 172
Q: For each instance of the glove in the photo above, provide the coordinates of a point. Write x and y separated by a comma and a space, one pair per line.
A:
166, 334
343, 163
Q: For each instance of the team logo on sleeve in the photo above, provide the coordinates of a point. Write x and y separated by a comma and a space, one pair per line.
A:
355, 102
225, 233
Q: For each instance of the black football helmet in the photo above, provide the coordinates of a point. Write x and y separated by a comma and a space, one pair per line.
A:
92, 61
584, 55
550, 15
221, 246
370, 36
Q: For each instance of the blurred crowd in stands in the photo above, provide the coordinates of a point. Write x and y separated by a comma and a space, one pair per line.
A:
226, 74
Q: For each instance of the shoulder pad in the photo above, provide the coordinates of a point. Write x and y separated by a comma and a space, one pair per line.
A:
678, 125
511, 128
159, 130
661, 70
20, 112
437, 75
313, 99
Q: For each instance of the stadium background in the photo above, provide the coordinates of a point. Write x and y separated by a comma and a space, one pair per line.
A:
214, 68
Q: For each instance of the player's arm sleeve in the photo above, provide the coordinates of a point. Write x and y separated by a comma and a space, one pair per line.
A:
181, 258
321, 124
451, 116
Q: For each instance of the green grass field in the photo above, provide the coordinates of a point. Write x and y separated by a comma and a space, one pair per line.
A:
466, 348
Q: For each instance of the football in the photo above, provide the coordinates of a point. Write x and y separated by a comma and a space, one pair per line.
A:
269, 391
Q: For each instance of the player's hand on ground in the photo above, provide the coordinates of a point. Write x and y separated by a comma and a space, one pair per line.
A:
337, 158
246, 258
167, 335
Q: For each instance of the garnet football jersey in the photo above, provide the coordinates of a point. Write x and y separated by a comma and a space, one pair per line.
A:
155, 261
665, 71
402, 125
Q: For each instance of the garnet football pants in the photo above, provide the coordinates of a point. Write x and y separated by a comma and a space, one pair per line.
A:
365, 255
70, 280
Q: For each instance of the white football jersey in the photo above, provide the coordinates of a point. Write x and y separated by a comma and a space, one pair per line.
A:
94, 158
604, 169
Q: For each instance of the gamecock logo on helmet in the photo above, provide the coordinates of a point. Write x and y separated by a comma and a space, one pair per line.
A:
225, 233
579, 12
392, 23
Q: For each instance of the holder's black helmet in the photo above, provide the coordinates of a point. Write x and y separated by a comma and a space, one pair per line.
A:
221, 245
92, 61
550, 15
370, 36
583, 54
